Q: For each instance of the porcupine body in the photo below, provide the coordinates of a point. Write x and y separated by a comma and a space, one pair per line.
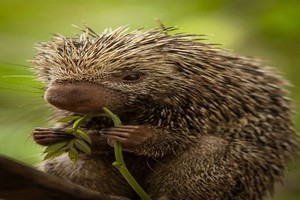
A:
220, 123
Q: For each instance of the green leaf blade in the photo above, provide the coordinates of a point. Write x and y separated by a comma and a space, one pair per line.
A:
54, 154
82, 146
84, 135
73, 154
70, 131
79, 121
56, 147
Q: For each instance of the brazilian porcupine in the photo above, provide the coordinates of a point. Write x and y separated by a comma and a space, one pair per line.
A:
199, 122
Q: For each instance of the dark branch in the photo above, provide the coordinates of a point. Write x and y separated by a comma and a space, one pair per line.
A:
18, 181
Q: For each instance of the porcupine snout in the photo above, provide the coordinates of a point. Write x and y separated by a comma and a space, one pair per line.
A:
78, 97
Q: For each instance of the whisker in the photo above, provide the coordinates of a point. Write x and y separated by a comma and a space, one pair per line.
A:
157, 161
27, 118
29, 107
23, 84
32, 105
19, 108
14, 64
18, 76
19, 90
15, 103
150, 167
17, 99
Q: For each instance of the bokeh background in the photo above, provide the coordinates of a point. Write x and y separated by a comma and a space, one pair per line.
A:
267, 29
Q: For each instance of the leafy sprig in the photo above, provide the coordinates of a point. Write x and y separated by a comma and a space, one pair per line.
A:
82, 141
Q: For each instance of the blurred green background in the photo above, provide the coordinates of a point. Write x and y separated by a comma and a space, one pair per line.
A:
267, 29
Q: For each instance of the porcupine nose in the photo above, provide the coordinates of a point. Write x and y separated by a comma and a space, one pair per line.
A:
76, 97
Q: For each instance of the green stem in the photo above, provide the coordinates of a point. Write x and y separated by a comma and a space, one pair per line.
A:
79, 121
120, 164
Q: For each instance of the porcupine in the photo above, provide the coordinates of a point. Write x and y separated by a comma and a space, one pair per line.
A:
198, 122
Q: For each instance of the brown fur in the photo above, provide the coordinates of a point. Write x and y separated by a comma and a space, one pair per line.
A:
221, 122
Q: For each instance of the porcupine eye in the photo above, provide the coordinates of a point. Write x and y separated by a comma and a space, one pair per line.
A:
132, 77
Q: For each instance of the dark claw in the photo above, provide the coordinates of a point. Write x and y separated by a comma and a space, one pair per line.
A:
127, 135
48, 136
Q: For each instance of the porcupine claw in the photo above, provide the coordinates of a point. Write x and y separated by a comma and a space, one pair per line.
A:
47, 136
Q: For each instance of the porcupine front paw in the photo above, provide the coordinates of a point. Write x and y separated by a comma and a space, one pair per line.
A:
127, 135
47, 136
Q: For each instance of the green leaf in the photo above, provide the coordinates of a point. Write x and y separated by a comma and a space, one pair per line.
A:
79, 121
70, 130
55, 147
84, 135
55, 154
68, 118
73, 154
82, 146
71, 144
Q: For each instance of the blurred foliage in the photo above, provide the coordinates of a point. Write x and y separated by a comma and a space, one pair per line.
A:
267, 29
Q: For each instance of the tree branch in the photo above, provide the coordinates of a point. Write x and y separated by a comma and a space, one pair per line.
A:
18, 181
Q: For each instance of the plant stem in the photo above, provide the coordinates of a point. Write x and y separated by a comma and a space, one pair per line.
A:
120, 164
79, 121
